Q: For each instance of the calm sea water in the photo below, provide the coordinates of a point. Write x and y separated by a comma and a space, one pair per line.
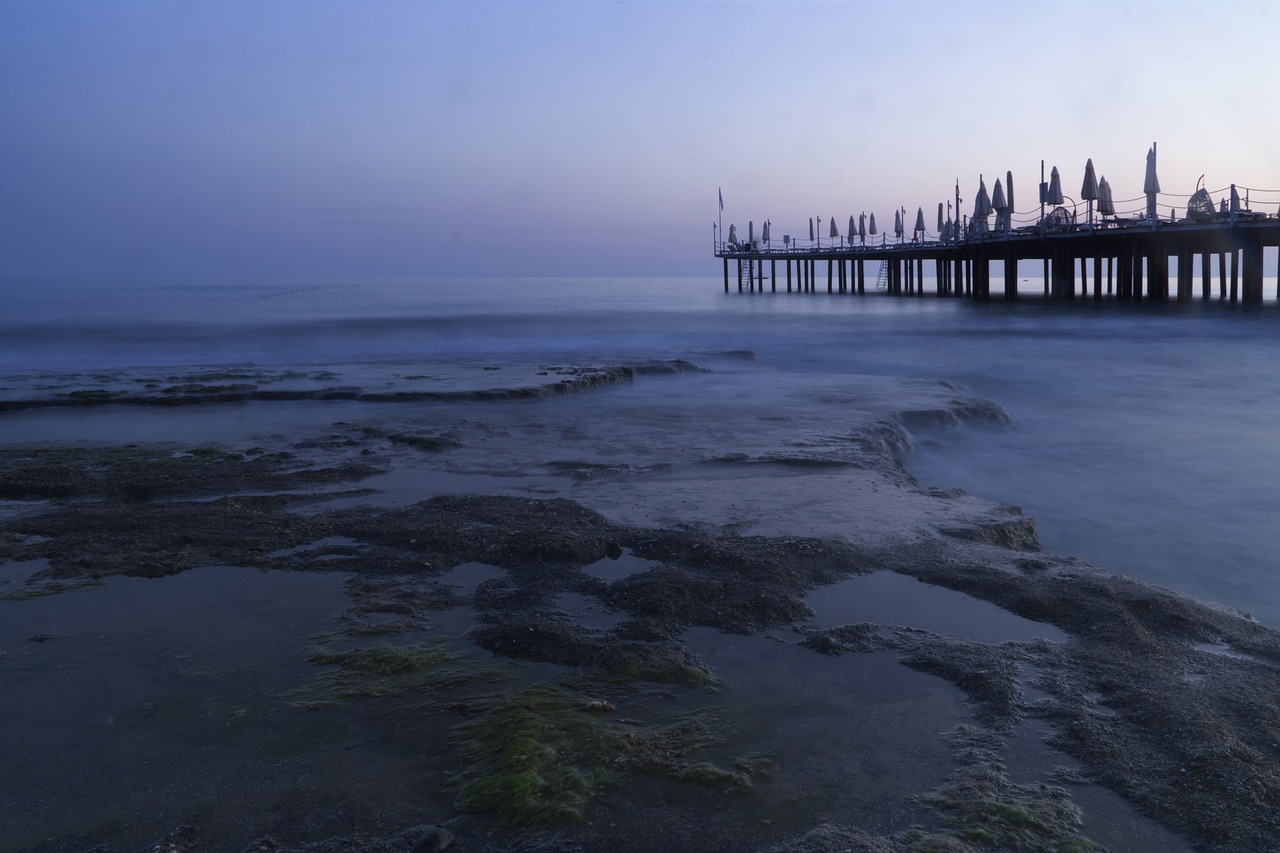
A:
1144, 437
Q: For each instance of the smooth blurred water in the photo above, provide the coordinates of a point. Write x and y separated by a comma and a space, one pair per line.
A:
1143, 438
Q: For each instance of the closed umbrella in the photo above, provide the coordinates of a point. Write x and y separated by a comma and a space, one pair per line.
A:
919, 220
764, 231
1055, 188
1235, 198
1105, 205
751, 231
873, 223
981, 207
999, 205
1089, 189
1008, 194
853, 229
733, 233
810, 229
835, 232
897, 223
940, 219
862, 227
1151, 184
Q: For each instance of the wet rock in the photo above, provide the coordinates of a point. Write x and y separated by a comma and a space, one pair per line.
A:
434, 840
183, 839
1017, 534
261, 845
845, 638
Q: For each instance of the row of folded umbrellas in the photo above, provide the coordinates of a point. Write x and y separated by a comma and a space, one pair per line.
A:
999, 202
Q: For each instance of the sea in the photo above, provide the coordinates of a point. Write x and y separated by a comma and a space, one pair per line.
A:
1142, 438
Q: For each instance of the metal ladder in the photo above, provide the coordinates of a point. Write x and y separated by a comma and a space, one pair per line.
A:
882, 277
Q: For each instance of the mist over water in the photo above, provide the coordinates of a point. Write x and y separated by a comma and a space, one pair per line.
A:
1143, 437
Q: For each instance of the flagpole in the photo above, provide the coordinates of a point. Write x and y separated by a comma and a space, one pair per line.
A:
720, 191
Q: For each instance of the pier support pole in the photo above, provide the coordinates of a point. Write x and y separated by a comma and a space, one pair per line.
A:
1235, 275
828, 275
862, 280
1084, 277
739, 275
1251, 256
1109, 268
773, 275
1097, 278
726, 274
1046, 275
1222, 275
1204, 276
1184, 277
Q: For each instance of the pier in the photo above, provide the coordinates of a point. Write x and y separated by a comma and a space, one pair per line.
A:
1126, 256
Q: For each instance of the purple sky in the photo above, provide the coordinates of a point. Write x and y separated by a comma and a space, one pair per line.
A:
334, 137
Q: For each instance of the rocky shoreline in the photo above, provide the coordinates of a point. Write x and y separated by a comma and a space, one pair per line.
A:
1165, 700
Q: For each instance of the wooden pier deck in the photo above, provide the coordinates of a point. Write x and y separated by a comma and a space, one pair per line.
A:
1128, 261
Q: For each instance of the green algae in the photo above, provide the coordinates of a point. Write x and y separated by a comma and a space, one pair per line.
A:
630, 671
388, 671
984, 809
535, 758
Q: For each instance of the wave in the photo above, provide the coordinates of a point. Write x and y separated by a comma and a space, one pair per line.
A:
580, 379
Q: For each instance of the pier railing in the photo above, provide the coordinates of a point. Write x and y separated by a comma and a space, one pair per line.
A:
1134, 251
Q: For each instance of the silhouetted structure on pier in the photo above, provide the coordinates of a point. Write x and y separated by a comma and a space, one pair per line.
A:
1127, 258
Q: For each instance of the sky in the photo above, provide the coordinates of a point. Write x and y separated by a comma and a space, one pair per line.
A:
243, 138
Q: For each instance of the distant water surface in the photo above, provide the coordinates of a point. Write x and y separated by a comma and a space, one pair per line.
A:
1143, 439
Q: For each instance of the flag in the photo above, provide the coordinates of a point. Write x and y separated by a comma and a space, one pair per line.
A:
721, 200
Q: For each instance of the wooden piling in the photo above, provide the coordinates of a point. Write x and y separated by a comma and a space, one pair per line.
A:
1251, 257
